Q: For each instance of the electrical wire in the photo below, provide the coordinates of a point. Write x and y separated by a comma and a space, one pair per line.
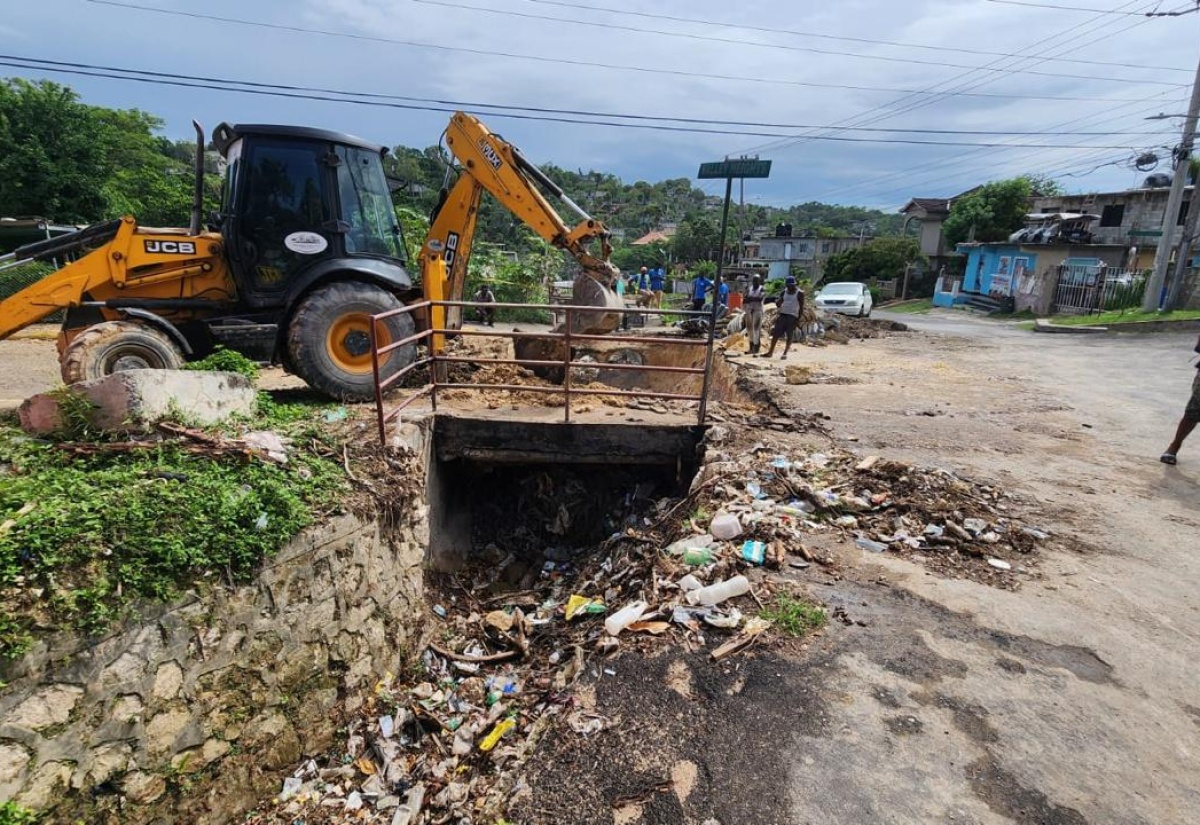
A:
1177, 13
837, 37
757, 44
573, 62
223, 85
905, 104
961, 82
464, 104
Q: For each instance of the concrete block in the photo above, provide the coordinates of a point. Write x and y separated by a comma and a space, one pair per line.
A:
130, 400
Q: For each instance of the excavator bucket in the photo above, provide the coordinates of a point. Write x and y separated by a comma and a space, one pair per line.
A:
589, 291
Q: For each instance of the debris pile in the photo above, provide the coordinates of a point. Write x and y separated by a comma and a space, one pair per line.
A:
510, 636
931, 516
505, 649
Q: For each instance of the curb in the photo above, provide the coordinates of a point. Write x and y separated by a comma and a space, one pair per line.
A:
1135, 327
1042, 325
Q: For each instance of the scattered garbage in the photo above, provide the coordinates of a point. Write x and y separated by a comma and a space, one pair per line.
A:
719, 592
725, 526
754, 552
583, 606
624, 617
870, 546
519, 629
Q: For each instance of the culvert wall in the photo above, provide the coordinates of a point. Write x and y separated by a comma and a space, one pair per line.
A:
193, 712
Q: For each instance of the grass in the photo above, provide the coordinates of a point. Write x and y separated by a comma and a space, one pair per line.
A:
226, 360
1106, 319
910, 307
13, 814
1027, 325
82, 537
794, 616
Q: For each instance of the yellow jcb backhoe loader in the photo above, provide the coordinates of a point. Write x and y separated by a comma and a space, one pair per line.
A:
305, 248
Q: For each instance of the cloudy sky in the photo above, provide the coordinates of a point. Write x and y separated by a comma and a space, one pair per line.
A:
890, 76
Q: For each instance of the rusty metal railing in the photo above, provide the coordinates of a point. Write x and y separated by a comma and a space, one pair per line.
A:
436, 361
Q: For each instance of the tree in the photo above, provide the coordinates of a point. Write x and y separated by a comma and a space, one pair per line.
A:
74, 163
50, 162
884, 258
994, 211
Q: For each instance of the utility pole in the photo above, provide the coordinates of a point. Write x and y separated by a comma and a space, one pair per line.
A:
1183, 252
1153, 295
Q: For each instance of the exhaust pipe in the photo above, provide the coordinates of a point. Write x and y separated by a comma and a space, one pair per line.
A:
198, 194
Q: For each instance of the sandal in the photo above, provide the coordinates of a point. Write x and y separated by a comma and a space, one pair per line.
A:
1168, 458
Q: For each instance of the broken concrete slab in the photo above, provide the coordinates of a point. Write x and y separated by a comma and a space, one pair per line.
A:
130, 400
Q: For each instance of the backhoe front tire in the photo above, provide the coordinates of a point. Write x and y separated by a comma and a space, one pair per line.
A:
329, 339
117, 346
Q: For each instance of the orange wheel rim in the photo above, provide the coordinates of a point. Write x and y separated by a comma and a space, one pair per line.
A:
349, 342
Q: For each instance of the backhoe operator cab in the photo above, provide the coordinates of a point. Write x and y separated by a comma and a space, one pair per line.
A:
314, 249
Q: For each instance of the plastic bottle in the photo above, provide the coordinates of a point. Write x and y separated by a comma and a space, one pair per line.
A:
725, 526
624, 617
719, 592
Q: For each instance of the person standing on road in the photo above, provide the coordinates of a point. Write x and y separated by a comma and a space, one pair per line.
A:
700, 289
658, 280
791, 304
1191, 417
753, 303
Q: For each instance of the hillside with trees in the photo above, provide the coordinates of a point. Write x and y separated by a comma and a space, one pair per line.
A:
71, 162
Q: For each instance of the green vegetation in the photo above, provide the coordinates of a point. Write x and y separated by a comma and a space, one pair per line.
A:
1107, 319
910, 307
793, 615
995, 210
82, 536
74, 163
13, 814
884, 258
226, 360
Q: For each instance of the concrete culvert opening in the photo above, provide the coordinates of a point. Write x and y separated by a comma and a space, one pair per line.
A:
530, 519
523, 495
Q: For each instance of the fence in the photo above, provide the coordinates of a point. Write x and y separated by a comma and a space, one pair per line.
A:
1089, 290
561, 338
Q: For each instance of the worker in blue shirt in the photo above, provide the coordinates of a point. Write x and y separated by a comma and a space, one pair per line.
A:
723, 294
701, 286
643, 279
658, 280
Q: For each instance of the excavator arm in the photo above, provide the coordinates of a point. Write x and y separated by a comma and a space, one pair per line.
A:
488, 162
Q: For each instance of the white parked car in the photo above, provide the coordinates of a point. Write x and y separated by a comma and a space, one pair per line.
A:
848, 298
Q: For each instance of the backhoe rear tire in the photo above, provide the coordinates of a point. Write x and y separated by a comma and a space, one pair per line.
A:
117, 346
329, 343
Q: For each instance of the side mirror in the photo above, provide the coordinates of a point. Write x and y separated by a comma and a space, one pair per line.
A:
215, 219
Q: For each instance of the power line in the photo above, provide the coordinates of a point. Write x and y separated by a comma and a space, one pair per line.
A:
225, 85
758, 44
909, 103
471, 104
582, 63
937, 167
842, 38
1176, 13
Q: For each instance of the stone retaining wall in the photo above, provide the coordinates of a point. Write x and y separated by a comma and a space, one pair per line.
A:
192, 712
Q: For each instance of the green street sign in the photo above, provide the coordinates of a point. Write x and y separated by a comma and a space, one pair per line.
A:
742, 168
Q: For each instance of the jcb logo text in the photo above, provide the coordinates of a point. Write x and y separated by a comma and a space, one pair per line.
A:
171, 247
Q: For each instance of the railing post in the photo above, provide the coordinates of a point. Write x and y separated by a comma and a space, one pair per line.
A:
378, 389
708, 359
567, 370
